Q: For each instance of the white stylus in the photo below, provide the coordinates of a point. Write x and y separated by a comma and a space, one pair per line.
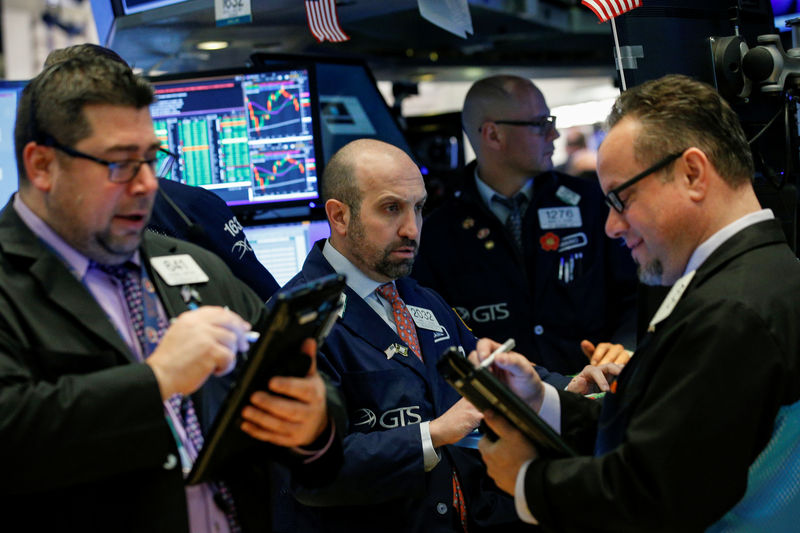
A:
506, 346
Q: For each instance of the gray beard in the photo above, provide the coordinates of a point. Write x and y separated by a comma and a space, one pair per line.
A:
651, 273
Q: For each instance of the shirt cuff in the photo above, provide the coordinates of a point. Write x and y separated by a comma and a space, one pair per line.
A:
313, 455
550, 411
430, 455
520, 501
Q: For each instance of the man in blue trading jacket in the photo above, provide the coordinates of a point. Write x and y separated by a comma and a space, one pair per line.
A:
201, 217
696, 436
402, 471
107, 380
519, 250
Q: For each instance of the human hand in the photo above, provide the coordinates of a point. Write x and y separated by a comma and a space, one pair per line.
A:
593, 379
294, 412
506, 455
197, 344
605, 352
455, 424
514, 370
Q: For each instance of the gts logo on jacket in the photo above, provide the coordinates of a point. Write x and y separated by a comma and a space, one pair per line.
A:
485, 313
393, 418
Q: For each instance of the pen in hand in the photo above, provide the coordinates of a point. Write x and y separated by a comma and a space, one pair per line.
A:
506, 346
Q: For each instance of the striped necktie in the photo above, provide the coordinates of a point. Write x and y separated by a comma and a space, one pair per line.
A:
516, 210
149, 326
402, 318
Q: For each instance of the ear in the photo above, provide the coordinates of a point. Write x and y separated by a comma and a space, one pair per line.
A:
696, 171
39, 161
338, 216
491, 136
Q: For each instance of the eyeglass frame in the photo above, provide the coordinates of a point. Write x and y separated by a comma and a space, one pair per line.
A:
547, 124
613, 200
72, 152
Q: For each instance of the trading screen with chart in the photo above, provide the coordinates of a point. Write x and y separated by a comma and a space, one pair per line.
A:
249, 137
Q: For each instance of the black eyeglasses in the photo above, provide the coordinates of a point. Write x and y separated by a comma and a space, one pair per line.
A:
125, 170
544, 125
612, 198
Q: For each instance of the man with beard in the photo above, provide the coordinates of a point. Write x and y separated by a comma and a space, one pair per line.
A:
403, 469
107, 377
696, 435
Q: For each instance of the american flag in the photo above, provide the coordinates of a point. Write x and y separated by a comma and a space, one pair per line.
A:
324, 22
608, 9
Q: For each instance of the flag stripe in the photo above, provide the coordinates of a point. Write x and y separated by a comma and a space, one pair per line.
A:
608, 9
332, 21
323, 21
319, 19
312, 23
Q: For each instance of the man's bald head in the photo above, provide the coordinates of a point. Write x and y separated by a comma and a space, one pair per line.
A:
492, 98
340, 180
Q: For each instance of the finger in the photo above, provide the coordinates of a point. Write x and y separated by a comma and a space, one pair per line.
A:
498, 424
612, 369
268, 435
578, 385
224, 362
305, 390
588, 348
595, 374
600, 352
309, 347
485, 347
623, 357
513, 363
485, 446
612, 353
270, 411
225, 339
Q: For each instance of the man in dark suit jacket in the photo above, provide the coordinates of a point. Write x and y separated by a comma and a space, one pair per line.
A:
90, 436
692, 422
518, 250
404, 448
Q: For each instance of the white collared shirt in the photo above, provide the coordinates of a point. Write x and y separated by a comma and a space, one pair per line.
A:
499, 210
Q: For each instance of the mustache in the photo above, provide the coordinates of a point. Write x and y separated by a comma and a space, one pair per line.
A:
406, 243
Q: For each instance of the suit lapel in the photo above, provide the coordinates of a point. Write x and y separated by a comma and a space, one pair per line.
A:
59, 285
359, 318
362, 321
170, 296
633, 381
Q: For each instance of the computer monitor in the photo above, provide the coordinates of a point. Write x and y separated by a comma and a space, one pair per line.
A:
282, 247
351, 106
9, 96
784, 10
249, 135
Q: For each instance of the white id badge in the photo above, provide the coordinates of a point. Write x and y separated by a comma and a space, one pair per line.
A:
179, 269
560, 217
424, 318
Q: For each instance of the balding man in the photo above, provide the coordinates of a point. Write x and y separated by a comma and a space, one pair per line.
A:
403, 471
519, 250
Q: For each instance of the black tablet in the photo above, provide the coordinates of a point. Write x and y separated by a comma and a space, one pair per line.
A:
485, 391
306, 311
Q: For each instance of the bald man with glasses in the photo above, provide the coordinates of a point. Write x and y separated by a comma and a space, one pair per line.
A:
519, 249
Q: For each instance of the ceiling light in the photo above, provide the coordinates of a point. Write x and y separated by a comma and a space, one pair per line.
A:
212, 45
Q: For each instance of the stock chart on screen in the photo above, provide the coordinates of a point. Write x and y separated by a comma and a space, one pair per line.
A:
247, 136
